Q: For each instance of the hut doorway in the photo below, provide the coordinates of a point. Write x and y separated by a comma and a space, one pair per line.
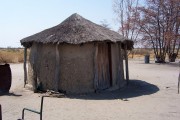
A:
103, 63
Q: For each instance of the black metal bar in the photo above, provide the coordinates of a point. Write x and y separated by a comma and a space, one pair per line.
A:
178, 82
179, 78
0, 113
42, 100
30, 111
41, 109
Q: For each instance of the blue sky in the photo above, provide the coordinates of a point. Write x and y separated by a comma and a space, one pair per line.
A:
22, 18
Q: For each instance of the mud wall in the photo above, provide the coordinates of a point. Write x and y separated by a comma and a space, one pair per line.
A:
76, 68
42, 66
117, 71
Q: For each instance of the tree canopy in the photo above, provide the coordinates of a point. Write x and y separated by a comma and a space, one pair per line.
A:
155, 24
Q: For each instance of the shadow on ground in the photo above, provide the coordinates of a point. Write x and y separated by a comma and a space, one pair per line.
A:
173, 64
135, 88
9, 94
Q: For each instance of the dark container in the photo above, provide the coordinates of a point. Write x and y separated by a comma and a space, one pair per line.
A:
146, 58
5, 78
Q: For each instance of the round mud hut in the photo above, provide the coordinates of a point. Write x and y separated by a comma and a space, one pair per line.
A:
76, 56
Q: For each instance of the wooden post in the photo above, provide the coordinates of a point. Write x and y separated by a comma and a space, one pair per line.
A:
25, 69
110, 63
0, 113
126, 64
95, 67
56, 82
34, 78
121, 65
34, 53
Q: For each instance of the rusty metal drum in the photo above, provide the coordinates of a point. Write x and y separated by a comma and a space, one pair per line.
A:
5, 78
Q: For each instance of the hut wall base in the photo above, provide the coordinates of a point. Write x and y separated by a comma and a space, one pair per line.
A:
29, 87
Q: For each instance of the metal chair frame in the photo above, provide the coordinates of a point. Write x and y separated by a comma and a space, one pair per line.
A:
34, 111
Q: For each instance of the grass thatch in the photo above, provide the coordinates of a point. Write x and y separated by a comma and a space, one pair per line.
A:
74, 30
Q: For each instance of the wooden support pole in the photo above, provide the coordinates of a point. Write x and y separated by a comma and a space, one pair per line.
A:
34, 78
126, 64
34, 52
25, 68
121, 65
95, 67
110, 63
0, 113
57, 72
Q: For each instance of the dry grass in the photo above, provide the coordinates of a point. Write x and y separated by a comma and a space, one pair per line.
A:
141, 52
16, 55
11, 55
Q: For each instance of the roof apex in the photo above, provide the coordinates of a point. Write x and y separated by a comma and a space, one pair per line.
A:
74, 30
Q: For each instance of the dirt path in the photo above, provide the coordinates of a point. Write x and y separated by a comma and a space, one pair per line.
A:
151, 95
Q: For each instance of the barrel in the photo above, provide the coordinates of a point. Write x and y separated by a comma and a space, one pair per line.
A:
5, 78
146, 58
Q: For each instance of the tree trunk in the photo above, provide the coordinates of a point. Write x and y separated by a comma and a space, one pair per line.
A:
172, 57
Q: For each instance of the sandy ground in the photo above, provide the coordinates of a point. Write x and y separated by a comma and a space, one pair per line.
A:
151, 95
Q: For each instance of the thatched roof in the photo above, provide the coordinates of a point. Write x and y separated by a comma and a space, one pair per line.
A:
75, 30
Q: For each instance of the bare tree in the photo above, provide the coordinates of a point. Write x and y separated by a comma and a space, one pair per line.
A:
160, 27
128, 17
105, 24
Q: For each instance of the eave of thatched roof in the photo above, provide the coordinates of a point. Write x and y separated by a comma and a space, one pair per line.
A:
74, 30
